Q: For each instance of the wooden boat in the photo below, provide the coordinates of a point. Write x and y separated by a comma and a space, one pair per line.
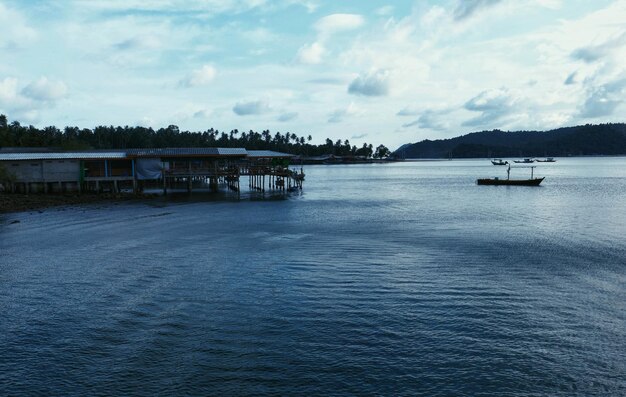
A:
512, 182
499, 162
546, 160
525, 161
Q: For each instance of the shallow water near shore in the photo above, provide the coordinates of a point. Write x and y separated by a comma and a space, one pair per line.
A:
376, 279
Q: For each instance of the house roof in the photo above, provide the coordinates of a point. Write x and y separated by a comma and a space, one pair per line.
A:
267, 154
131, 153
186, 152
63, 156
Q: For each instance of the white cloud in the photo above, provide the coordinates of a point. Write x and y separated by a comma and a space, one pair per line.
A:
408, 111
595, 52
375, 83
148, 42
26, 104
385, 10
494, 105
45, 90
198, 77
15, 31
432, 120
340, 115
251, 108
288, 116
337, 23
311, 54
8, 89
604, 100
467, 8
311, 6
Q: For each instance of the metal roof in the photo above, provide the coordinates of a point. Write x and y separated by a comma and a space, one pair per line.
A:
63, 156
162, 152
186, 152
232, 151
267, 154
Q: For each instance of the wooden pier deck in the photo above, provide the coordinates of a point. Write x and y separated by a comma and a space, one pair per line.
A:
138, 169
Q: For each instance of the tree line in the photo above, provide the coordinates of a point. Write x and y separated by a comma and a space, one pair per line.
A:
109, 137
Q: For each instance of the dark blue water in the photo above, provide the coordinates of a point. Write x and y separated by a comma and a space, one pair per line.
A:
398, 279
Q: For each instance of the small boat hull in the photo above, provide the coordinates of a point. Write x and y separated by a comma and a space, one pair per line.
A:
510, 182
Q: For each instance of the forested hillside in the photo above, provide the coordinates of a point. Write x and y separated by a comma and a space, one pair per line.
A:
602, 139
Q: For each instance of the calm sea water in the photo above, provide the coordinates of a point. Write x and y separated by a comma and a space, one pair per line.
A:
397, 279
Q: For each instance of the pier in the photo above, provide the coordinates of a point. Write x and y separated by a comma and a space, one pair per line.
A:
139, 169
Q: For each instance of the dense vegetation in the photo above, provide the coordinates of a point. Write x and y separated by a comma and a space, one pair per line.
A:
109, 137
602, 139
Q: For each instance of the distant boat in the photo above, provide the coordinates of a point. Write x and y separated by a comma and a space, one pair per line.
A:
499, 162
525, 161
512, 182
546, 160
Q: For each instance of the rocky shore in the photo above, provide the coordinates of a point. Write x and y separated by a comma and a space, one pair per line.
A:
30, 202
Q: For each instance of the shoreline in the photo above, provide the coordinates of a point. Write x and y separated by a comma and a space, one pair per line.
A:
12, 203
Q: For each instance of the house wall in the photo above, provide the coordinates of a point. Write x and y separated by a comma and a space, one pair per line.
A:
44, 170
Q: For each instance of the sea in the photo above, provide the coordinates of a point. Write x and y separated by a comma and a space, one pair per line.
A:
398, 279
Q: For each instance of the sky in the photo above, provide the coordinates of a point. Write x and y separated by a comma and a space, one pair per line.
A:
389, 72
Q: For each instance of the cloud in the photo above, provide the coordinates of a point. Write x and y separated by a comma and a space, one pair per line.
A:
340, 115
493, 105
287, 116
199, 77
430, 119
593, 53
359, 136
408, 112
467, 8
145, 122
201, 114
571, 79
337, 23
603, 100
310, 6
385, 10
311, 54
138, 43
327, 81
45, 90
26, 104
251, 107
8, 89
375, 83
15, 31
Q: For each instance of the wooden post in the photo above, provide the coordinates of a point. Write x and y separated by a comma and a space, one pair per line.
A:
189, 182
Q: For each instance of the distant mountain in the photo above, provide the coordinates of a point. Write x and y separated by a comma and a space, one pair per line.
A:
602, 139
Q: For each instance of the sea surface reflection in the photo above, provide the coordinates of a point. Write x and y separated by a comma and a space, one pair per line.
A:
395, 279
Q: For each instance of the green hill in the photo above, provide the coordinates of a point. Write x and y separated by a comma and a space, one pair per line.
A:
602, 139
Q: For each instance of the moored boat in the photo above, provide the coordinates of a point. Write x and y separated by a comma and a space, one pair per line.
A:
512, 182
546, 160
525, 161
499, 162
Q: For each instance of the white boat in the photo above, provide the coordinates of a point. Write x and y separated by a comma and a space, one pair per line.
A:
525, 161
